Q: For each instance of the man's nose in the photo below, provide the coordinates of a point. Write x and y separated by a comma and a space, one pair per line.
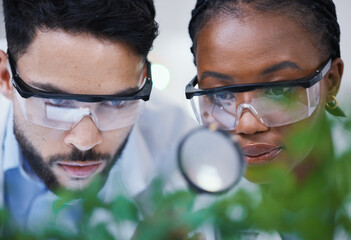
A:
249, 124
84, 135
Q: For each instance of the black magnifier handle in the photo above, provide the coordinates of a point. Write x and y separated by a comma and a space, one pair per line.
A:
210, 160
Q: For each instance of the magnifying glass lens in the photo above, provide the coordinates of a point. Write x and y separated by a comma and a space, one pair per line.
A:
210, 160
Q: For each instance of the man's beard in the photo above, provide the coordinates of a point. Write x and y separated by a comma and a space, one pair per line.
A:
42, 169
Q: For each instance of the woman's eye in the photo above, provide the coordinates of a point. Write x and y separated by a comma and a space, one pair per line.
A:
279, 92
223, 96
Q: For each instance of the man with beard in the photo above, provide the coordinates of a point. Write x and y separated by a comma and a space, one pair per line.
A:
78, 78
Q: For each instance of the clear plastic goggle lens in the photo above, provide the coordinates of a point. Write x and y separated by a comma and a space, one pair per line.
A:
273, 107
65, 114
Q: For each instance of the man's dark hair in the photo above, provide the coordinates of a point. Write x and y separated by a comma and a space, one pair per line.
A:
128, 21
318, 17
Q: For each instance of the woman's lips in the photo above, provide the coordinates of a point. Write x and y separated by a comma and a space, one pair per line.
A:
258, 154
80, 169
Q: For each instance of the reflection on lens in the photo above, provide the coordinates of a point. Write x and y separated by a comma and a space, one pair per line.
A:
65, 114
208, 176
210, 161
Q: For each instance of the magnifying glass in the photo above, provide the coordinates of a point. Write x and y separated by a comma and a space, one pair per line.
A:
210, 160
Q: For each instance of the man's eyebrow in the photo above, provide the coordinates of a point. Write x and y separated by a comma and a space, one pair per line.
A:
217, 75
47, 87
280, 66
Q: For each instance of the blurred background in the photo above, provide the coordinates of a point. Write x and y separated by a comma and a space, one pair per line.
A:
173, 63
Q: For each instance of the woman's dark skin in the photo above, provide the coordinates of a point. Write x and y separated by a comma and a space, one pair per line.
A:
252, 49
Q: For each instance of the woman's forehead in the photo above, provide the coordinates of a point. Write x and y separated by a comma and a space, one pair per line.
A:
80, 64
253, 38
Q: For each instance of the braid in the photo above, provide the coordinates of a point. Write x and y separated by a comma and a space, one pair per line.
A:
200, 6
318, 17
328, 11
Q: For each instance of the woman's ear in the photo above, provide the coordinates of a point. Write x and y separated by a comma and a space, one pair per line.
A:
334, 76
333, 80
5, 79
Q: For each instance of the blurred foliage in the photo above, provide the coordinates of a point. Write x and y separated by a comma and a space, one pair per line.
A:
318, 207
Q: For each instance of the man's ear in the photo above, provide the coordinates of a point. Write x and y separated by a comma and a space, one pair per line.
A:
5, 79
334, 76
145, 70
143, 74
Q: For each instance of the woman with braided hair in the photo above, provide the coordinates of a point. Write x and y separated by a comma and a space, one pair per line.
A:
264, 69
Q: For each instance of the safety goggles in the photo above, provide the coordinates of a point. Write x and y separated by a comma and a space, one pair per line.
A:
64, 111
273, 103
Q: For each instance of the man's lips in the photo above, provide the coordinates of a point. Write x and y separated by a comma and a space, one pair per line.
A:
257, 154
80, 169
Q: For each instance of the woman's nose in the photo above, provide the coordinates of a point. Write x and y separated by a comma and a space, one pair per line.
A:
249, 124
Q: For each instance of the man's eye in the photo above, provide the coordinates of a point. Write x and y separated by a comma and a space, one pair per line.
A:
58, 101
114, 103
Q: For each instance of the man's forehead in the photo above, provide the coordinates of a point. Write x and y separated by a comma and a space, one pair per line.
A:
80, 61
51, 43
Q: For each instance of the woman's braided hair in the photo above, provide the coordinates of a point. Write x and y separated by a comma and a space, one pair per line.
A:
318, 17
